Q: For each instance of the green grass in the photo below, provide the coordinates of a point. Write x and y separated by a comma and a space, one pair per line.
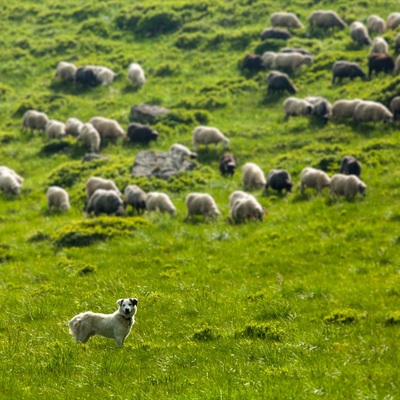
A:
302, 305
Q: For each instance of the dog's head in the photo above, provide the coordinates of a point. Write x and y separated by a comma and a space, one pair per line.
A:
127, 307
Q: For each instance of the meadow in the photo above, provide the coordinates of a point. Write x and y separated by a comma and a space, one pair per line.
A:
302, 305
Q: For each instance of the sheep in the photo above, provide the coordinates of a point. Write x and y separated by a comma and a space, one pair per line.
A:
206, 135
227, 164
201, 204
294, 107
291, 62
380, 62
279, 82
349, 165
359, 33
139, 133
253, 177
9, 183
136, 74
268, 58
347, 185
86, 76
342, 109
65, 71
107, 128
104, 75
34, 120
346, 69
397, 43
379, 46
6, 170
253, 62
73, 126
105, 201
326, 19
322, 108
55, 129
396, 65
395, 107
157, 201
285, 19
57, 198
367, 111
246, 208
136, 197
296, 50
274, 33
183, 150
314, 178
376, 24
236, 195
95, 183
89, 135
393, 20
279, 179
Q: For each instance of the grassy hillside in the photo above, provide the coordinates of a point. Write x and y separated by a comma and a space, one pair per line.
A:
304, 304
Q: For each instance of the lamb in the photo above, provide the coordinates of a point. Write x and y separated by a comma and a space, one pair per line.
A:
34, 120
201, 204
347, 185
346, 69
359, 33
183, 150
395, 107
253, 177
314, 178
89, 135
367, 111
376, 24
379, 46
5, 170
274, 33
350, 166
107, 128
322, 108
246, 208
380, 62
227, 164
136, 197
279, 82
295, 107
73, 126
326, 19
139, 133
253, 62
104, 75
105, 201
136, 74
86, 76
342, 109
393, 20
55, 129
57, 198
291, 62
9, 183
285, 19
95, 183
279, 179
206, 135
65, 71
157, 201
268, 58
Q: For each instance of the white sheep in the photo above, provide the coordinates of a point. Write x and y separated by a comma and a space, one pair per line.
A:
376, 24
359, 33
246, 208
314, 178
57, 198
379, 46
9, 183
201, 204
89, 135
326, 19
183, 150
285, 19
342, 109
65, 71
268, 58
291, 62
104, 75
367, 111
322, 108
95, 182
136, 74
393, 20
253, 177
73, 126
136, 197
347, 185
297, 107
107, 128
157, 201
55, 129
34, 120
6, 170
236, 195
208, 135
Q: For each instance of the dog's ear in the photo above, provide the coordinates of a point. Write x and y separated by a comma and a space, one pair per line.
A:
134, 301
120, 301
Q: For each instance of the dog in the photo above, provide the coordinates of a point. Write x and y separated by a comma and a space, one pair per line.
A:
116, 326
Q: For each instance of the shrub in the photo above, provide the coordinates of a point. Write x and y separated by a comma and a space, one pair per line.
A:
344, 316
205, 333
189, 41
155, 22
393, 318
94, 26
57, 146
264, 330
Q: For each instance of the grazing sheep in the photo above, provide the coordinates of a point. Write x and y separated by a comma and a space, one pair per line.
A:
105, 75
291, 62
246, 208
205, 135
55, 129
279, 82
139, 133
34, 120
326, 19
350, 166
322, 108
346, 69
57, 198
285, 19
201, 204
156, 201
395, 107
107, 128
104, 201
253, 62
268, 58
295, 107
376, 24
65, 71
359, 33
73, 126
274, 33
279, 179
253, 177
89, 135
296, 50
236, 195
136, 74
9, 183
347, 185
379, 46
380, 62
95, 183
5, 170
314, 178
86, 76
135, 197
393, 20
183, 150
342, 109
367, 111
227, 164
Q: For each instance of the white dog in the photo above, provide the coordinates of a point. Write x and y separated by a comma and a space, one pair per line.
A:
117, 325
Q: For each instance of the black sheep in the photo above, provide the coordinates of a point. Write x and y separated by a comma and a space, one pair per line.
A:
346, 69
350, 166
380, 62
139, 133
279, 179
227, 164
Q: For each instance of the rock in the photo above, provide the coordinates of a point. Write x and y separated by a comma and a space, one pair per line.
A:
92, 156
147, 114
